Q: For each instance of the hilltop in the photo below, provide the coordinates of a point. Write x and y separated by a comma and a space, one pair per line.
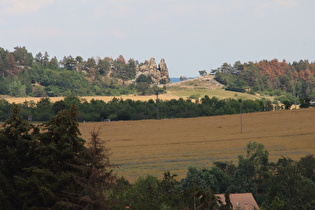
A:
203, 82
198, 87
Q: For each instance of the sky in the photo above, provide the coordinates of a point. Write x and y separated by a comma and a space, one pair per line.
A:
191, 35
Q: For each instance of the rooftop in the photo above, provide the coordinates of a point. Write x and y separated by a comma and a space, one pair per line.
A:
241, 201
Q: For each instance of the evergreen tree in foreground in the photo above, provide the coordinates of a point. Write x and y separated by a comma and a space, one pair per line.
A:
52, 169
17, 145
96, 176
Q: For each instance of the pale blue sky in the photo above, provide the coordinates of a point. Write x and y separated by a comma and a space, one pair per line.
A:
191, 35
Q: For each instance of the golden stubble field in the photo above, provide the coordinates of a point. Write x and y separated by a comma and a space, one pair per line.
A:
89, 98
154, 146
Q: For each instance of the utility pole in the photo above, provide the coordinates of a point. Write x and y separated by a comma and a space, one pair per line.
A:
294, 93
241, 116
157, 105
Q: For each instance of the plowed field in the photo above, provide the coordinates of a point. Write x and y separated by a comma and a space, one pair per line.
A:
154, 146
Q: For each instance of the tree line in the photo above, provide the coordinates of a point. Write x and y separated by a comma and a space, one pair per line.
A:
286, 81
119, 109
49, 166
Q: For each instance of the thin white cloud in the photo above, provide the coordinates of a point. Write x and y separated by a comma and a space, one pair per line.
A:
22, 7
287, 3
113, 9
117, 33
98, 13
238, 5
40, 32
154, 12
266, 7
2, 21
121, 10
158, 17
49, 32
208, 9
261, 10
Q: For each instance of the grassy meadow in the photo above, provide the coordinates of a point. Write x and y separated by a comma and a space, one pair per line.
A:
154, 146
217, 92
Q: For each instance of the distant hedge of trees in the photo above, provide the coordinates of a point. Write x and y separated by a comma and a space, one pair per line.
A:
119, 109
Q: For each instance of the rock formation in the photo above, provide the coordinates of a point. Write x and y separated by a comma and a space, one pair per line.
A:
164, 71
158, 73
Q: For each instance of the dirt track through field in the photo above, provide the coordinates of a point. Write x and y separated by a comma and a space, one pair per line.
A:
154, 146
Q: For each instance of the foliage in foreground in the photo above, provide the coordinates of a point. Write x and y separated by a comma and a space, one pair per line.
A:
50, 167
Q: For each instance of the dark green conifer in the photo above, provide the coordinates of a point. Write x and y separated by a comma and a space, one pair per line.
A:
16, 153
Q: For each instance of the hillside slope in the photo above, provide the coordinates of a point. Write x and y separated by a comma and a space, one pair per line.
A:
204, 82
207, 85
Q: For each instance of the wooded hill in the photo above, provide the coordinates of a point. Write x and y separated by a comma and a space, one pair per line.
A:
22, 74
273, 77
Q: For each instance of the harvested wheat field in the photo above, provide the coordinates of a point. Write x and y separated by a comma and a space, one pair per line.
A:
89, 98
154, 146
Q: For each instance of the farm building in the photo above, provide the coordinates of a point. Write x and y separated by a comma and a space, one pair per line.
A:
244, 201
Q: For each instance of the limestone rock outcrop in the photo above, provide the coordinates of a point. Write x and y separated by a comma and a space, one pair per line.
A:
159, 73
164, 71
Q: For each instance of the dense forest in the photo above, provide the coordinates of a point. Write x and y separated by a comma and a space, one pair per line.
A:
22, 74
52, 167
291, 81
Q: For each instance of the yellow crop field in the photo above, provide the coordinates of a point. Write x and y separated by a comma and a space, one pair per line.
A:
89, 98
154, 146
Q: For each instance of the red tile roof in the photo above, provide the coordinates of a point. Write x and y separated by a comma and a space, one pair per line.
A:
243, 201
